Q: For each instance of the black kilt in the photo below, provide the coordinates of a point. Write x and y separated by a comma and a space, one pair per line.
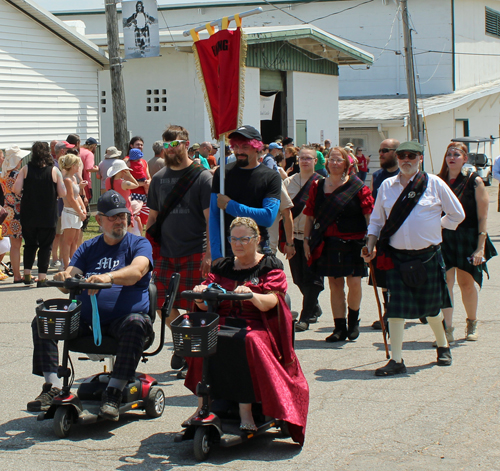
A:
457, 246
424, 301
340, 258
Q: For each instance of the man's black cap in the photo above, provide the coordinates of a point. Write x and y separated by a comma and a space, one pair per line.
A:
287, 140
112, 203
248, 132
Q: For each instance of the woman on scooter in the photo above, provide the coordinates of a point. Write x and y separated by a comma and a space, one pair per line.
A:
278, 381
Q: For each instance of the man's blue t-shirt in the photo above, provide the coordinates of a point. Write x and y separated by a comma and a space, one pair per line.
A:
95, 257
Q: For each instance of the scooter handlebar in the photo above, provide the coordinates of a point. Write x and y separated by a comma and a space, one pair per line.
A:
75, 283
211, 294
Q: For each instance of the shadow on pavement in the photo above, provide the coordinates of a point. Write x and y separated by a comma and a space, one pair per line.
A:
159, 452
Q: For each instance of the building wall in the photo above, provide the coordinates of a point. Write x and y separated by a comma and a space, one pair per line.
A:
315, 99
471, 39
47, 88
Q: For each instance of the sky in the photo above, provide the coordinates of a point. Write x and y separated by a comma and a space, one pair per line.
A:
69, 5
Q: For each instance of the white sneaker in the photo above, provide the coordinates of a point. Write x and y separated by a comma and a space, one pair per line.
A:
471, 330
56, 264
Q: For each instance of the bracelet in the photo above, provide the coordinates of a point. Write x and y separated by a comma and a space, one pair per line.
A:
289, 245
483, 233
307, 238
225, 207
111, 278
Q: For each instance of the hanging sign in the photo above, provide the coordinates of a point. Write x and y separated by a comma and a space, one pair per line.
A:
141, 35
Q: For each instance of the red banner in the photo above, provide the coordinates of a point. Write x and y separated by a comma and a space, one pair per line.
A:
220, 60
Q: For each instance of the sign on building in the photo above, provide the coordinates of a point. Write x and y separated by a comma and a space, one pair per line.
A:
141, 35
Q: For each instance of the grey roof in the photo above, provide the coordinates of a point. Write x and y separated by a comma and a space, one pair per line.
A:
60, 29
370, 110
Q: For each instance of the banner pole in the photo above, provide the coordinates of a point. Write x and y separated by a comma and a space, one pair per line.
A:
222, 175
255, 11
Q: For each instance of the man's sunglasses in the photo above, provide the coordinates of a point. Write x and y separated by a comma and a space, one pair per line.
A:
172, 144
407, 155
385, 150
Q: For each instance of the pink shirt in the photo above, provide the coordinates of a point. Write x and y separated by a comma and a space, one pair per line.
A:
117, 186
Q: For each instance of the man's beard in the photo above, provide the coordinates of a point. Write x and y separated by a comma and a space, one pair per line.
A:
172, 160
242, 162
389, 163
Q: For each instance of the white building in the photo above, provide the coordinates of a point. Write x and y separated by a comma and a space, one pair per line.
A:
281, 62
48, 77
457, 55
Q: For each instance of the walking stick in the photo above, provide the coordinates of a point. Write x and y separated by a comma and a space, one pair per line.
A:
379, 306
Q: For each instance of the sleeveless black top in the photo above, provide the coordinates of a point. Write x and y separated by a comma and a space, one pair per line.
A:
468, 200
39, 200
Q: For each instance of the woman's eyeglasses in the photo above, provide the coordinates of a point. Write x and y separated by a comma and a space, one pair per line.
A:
241, 240
306, 159
172, 144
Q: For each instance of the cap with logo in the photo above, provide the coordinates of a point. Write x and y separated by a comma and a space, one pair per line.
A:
248, 132
91, 141
111, 203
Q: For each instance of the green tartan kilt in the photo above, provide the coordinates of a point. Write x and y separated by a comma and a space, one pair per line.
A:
457, 246
424, 301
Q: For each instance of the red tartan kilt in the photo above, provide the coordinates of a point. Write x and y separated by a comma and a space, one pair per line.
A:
190, 270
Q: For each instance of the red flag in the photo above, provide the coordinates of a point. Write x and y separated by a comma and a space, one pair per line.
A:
220, 61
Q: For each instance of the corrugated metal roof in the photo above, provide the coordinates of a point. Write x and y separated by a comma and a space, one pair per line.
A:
371, 110
56, 26
306, 37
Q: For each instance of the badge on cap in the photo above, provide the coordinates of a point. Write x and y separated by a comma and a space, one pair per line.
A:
116, 200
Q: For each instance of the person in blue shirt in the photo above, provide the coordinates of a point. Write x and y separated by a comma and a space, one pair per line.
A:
251, 190
269, 160
126, 261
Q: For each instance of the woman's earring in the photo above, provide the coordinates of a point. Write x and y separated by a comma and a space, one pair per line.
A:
344, 174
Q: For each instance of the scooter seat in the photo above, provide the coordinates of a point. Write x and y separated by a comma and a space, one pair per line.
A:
109, 345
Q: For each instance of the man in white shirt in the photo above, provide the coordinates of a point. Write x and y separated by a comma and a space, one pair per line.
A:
409, 238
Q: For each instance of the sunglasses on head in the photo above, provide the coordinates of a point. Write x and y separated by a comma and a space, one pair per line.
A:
385, 150
407, 155
172, 144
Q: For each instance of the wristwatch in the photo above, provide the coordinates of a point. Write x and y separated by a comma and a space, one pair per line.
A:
289, 245
307, 238
483, 233
111, 278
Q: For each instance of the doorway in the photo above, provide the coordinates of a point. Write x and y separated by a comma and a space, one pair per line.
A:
273, 121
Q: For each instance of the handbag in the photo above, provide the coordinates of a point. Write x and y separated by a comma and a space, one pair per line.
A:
3, 214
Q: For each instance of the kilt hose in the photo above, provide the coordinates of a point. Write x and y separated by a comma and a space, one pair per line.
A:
188, 267
340, 258
130, 332
457, 246
424, 301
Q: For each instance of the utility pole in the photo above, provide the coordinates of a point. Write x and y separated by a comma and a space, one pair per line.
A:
410, 73
117, 87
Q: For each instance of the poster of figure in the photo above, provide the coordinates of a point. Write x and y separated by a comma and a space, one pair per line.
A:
141, 34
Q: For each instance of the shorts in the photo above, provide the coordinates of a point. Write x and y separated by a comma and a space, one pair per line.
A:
70, 219
188, 267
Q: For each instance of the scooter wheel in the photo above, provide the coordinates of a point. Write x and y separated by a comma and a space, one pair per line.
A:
63, 421
202, 443
155, 402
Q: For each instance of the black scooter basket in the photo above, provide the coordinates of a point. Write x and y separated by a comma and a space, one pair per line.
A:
55, 322
196, 340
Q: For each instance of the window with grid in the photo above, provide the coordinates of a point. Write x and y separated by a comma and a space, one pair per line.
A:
156, 100
492, 22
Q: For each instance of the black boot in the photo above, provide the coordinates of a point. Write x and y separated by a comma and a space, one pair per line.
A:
340, 331
353, 324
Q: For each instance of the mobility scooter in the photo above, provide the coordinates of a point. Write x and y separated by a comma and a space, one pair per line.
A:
198, 334
59, 320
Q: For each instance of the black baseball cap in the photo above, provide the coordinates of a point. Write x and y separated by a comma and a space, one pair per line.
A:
112, 203
248, 132
91, 141
73, 139
287, 140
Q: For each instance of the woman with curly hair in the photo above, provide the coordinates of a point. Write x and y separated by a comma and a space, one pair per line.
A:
40, 183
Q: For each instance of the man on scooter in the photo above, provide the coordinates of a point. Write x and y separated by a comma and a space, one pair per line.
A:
116, 257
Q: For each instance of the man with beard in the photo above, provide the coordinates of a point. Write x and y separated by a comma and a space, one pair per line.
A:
124, 260
388, 164
407, 222
179, 202
389, 168
251, 190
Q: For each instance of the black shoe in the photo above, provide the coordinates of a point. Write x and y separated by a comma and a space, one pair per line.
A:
353, 324
177, 362
392, 368
44, 400
313, 319
42, 283
443, 356
301, 326
340, 332
377, 325
110, 404
183, 373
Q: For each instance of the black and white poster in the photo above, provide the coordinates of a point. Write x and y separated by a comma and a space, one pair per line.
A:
141, 35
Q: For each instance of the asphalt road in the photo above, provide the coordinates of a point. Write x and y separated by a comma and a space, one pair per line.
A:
439, 418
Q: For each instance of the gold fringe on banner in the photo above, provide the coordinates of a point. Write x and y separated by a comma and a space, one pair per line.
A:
243, 57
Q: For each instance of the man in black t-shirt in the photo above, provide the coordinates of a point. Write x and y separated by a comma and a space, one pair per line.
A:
251, 190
